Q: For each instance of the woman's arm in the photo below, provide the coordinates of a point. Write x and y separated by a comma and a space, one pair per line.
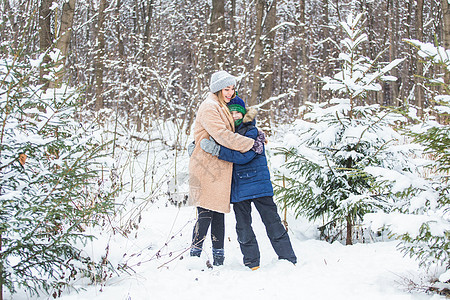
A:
236, 157
227, 154
213, 123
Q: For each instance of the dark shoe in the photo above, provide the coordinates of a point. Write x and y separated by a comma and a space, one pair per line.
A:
196, 252
218, 261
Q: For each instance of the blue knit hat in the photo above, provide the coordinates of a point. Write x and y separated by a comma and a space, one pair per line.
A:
237, 104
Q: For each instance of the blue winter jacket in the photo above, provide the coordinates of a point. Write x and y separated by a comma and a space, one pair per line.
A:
251, 177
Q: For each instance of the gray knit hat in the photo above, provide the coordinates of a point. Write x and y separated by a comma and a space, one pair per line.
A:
221, 80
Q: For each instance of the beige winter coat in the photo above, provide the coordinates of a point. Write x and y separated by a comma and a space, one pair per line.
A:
210, 177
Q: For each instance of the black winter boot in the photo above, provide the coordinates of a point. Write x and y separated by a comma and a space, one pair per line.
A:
218, 256
196, 251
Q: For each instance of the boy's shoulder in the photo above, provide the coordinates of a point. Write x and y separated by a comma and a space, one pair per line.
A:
249, 130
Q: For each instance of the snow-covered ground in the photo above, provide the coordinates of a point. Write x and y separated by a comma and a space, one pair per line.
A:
324, 271
155, 251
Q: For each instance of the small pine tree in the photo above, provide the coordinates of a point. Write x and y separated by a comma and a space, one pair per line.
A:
333, 172
49, 184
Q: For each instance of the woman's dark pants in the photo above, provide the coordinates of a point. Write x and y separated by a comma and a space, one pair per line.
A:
205, 218
275, 230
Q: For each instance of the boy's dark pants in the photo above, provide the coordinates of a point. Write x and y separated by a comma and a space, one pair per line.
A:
275, 230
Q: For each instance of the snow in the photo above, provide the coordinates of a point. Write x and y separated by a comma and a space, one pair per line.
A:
54, 6
445, 276
155, 251
419, 202
430, 51
402, 181
444, 99
388, 78
324, 271
406, 223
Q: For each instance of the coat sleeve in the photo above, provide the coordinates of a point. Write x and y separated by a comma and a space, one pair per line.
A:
237, 157
213, 123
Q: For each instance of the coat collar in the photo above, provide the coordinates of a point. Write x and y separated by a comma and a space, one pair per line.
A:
213, 97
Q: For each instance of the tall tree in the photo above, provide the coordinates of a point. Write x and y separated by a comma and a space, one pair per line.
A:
120, 45
258, 52
325, 32
148, 21
65, 34
45, 35
406, 70
393, 46
269, 45
419, 67
301, 54
100, 55
65, 30
446, 31
304, 74
232, 17
217, 29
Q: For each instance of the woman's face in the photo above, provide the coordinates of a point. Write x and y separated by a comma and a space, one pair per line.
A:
228, 93
236, 115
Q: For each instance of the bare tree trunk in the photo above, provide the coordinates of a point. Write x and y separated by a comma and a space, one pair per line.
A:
269, 42
325, 34
45, 35
8, 14
268, 65
446, 32
393, 15
100, 55
148, 19
64, 36
349, 240
121, 48
419, 68
304, 84
65, 30
232, 17
325, 68
217, 29
148, 22
338, 11
408, 64
258, 52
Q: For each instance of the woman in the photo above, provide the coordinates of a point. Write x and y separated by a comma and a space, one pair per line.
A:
209, 177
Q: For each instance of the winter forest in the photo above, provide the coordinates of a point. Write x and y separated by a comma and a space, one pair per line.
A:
98, 100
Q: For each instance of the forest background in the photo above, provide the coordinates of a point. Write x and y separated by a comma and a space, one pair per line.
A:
153, 59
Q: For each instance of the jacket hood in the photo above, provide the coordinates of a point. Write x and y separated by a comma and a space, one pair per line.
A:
250, 115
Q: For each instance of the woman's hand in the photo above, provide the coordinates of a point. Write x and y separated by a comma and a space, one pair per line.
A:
258, 146
190, 148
